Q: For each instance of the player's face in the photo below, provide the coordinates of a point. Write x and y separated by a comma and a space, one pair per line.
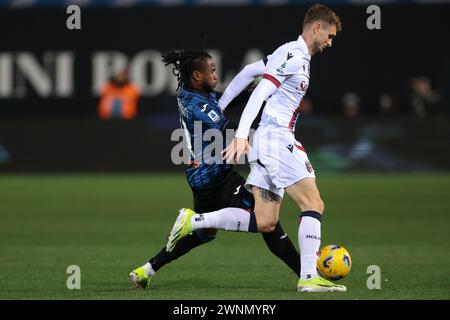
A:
324, 35
209, 75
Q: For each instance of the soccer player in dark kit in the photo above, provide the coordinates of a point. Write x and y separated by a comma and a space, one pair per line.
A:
214, 184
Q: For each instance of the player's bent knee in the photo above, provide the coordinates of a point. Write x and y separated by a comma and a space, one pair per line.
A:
266, 226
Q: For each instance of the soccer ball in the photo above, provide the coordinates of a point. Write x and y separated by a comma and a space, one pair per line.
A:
334, 262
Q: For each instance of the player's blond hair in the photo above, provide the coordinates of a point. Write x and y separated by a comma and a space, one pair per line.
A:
319, 12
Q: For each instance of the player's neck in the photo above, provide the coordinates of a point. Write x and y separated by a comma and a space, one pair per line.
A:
197, 90
196, 87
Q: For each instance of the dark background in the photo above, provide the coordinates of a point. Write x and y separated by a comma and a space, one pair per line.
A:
64, 134
412, 41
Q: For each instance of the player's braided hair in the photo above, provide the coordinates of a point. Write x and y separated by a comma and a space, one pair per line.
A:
185, 62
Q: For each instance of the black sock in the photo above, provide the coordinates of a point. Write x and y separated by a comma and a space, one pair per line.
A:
281, 246
252, 225
182, 247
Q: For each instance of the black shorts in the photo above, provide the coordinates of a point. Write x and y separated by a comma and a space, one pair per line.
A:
230, 192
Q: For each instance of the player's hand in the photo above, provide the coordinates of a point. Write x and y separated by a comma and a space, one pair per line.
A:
235, 150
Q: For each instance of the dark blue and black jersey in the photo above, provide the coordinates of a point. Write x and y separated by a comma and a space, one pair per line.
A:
199, 112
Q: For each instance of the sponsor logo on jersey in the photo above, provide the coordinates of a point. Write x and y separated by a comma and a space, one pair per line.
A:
310, 236
290, 147
290, 55
204, 107
213, 116
281, 68
309, 166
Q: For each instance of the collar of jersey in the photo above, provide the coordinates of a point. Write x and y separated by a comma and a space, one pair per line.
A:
302, 44
201, 93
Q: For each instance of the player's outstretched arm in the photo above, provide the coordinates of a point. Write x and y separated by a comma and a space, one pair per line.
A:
239, 145
240, 82
263, 90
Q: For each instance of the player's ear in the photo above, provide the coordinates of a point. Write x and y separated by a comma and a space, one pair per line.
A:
317, 27
196, 75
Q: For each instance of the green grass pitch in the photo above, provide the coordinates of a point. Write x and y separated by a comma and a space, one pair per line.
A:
110, 224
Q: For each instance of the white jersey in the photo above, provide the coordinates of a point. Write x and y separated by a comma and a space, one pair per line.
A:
288, 69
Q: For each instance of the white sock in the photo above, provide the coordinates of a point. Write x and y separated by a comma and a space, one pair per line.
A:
309, 244
232, 219
148, 269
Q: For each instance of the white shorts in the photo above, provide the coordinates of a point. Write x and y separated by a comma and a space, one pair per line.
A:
277, 160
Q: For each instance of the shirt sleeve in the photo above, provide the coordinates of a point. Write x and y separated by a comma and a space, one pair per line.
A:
209, 117
281, 65
241, 81
264, 89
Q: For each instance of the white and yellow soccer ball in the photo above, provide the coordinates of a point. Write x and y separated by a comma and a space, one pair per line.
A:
334, 262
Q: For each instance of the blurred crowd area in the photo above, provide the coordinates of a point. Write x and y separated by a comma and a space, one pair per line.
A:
112, 69
120, 99
417, 98
67, 96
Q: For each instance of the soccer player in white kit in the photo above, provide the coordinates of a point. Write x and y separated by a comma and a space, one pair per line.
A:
278, 161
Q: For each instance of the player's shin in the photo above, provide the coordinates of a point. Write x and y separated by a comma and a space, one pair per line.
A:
309, 243
183, 246
280, 245
229, 219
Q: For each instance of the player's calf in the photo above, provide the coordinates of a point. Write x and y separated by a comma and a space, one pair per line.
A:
206, 235
312, 203
306, 195
267, 209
